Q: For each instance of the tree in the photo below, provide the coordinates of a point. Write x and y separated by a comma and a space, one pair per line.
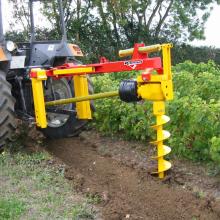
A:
105, 26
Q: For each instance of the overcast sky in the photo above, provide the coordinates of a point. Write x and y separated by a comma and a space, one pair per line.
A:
212, 31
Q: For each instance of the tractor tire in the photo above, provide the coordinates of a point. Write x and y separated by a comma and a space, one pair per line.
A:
7, 115
71, 126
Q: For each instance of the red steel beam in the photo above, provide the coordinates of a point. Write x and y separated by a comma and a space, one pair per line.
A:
139, 61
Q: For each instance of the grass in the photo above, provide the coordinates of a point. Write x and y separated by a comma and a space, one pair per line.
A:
34, 187
81, 212
11, 208
93, 198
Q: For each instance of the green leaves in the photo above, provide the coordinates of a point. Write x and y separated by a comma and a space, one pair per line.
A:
194, 112
215, 149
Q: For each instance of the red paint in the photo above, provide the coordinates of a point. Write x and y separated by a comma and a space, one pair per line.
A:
139, 61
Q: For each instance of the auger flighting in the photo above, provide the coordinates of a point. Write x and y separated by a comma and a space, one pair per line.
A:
162, 150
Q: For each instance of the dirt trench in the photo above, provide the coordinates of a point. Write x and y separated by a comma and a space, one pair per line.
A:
126, 192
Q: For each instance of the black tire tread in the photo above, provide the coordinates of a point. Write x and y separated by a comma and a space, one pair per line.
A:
73, 126
7, 116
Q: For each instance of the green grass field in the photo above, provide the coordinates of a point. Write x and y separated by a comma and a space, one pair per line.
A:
33, 187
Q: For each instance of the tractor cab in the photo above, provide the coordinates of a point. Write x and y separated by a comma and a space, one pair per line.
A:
48, 53
44, 53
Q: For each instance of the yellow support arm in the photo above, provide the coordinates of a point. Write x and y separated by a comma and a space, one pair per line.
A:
81, 89
38, 95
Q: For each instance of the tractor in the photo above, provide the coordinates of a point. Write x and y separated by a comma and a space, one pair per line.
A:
16, 61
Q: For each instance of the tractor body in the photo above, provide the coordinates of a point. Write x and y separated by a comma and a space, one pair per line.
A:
16, 62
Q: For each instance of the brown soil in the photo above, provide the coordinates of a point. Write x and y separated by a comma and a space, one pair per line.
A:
117, 173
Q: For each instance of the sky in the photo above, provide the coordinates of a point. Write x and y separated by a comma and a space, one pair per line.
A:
212, 31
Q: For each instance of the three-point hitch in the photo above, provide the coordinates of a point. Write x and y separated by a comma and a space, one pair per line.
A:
153, 84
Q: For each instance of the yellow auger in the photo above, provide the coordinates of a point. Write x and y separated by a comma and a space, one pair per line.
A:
159, 88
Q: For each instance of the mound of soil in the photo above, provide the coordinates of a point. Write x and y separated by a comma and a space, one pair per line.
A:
127, 192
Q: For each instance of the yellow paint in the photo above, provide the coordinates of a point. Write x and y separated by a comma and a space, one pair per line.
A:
83, 98
150, 49
80, 70
158, 84
159, 88
125, 53
167, 60
81, 89
159, 108
162, 150
146, 49
38, 96
151, 92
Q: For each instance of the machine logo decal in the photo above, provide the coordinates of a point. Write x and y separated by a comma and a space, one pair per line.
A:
133, 64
